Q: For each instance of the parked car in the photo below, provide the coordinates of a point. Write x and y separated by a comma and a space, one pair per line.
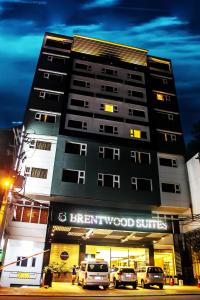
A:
123, 276
93, 273
150, 275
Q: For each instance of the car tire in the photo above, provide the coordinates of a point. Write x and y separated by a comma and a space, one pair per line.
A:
134, 285
143, 284
83, 285
106, 287
116, 283
161, 286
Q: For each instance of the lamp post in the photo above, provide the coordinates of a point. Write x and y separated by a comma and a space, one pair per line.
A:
5, 186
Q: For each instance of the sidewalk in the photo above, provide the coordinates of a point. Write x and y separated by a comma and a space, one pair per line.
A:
68, 290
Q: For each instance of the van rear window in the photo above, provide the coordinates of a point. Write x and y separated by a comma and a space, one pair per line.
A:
97, 268
154, 270
127, 270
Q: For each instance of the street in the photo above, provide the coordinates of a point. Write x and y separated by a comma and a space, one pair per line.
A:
178, 297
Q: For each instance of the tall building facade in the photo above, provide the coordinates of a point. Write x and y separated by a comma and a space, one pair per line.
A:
102, 145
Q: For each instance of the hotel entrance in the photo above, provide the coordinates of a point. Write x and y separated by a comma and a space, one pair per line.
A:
77, 234
70, 246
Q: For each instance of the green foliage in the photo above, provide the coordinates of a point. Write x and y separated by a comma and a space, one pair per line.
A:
57, 268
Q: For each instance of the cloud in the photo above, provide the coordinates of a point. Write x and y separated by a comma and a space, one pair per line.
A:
100, 3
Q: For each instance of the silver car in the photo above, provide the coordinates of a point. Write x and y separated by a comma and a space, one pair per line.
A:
150, 275
123, 276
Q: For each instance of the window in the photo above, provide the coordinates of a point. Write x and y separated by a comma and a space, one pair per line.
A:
33, 261
80, 103
171, 188
109, 107
168, 162
137, 134
50, 58
168, 137
134, 76
77, 124
136, 113
109, 180
81, 83
76, 148
73, 176
22, 261
165, 81
35, 172
108, 129
109, 153
162, 97
61, 44
141, 157
141, 184
133, 93
49, 96
109, 71
108, 88
170, 117
45, 118
53, 77
40, 145
39, 173
83, 67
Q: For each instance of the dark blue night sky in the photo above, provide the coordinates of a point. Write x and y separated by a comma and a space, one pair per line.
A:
168, 29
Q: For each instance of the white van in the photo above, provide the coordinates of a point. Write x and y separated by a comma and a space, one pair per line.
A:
93, 273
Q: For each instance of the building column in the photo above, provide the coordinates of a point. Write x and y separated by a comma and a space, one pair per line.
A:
82, 250
177, 254
151, 255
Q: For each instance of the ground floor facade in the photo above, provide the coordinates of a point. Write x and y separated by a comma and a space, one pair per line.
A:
75, 233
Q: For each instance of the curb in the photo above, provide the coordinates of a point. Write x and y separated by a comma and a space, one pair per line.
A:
102, 296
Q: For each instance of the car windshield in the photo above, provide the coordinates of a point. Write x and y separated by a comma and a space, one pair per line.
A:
154, 270
97, 268
127, 270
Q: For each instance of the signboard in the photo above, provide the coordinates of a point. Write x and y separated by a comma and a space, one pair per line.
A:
67, 217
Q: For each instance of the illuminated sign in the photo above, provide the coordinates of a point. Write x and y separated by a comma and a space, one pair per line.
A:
23, 275
104, 221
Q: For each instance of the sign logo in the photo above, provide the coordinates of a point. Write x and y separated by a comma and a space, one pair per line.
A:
64, 255
62, 217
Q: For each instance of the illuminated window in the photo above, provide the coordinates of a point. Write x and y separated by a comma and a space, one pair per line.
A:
40, 145
109, 107
36, 172
45, 118
160, 97
135, 133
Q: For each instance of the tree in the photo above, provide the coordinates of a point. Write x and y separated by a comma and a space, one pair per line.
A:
193, 147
